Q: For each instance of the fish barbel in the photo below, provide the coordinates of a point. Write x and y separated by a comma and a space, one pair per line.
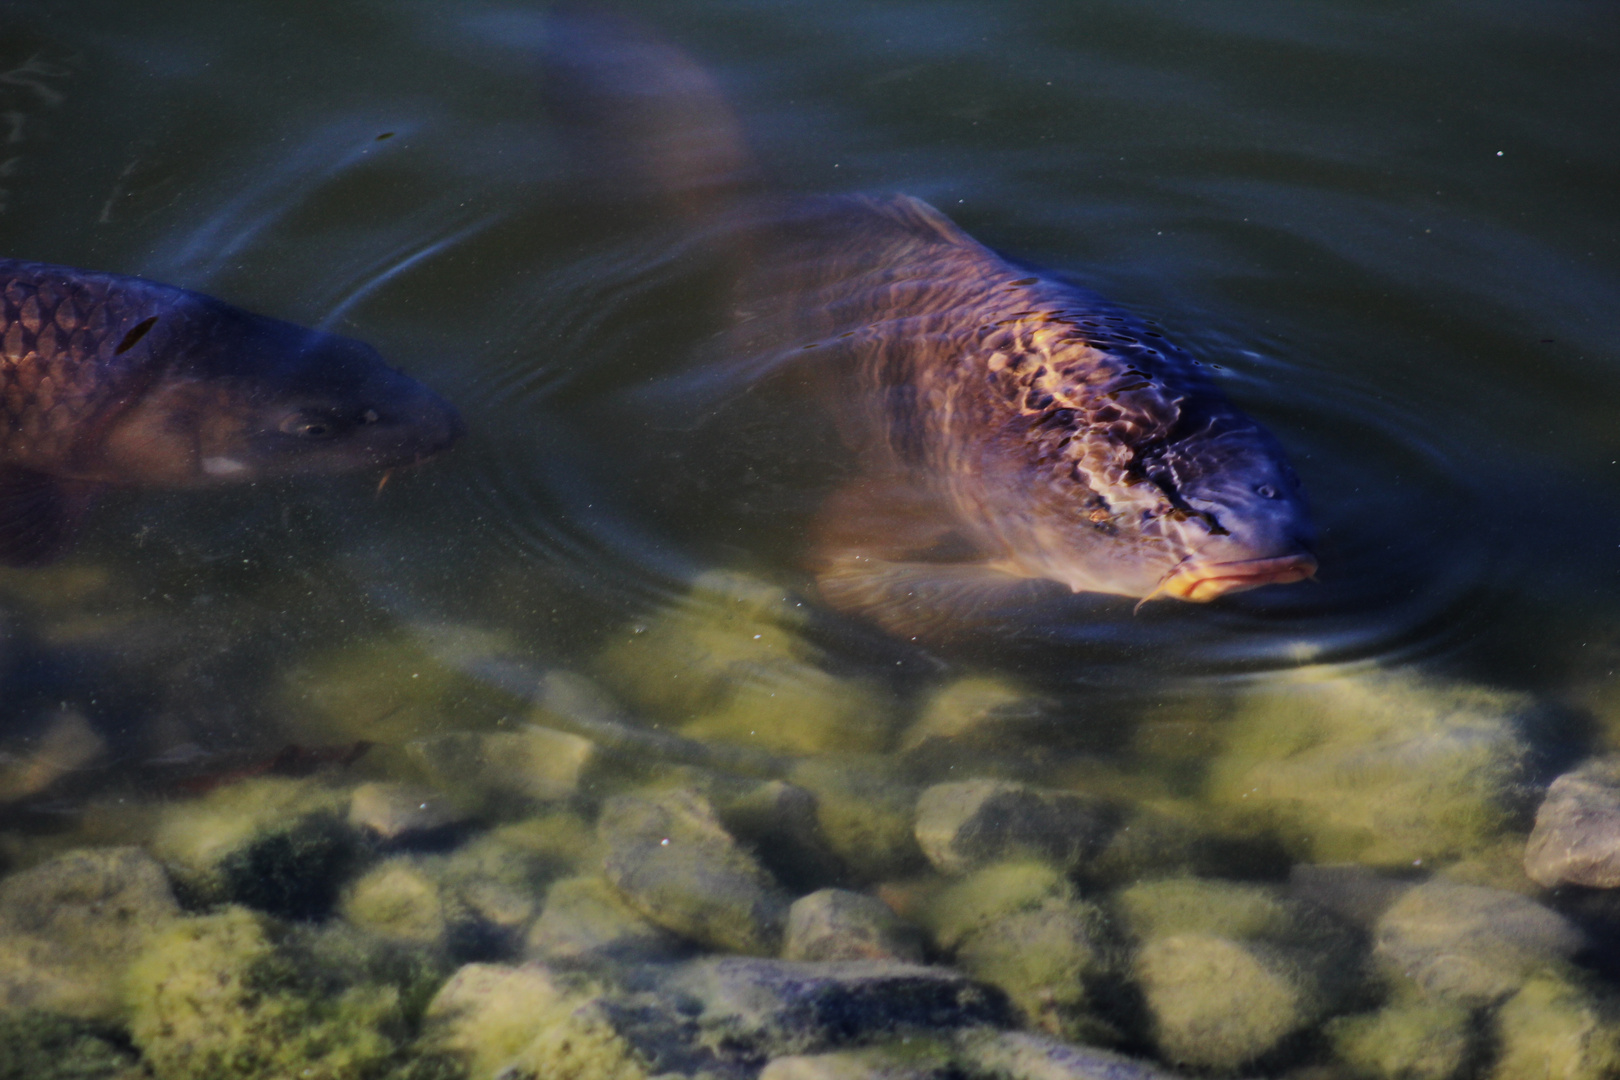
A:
113, 380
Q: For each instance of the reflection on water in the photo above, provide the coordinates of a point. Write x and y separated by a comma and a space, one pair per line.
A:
345, 758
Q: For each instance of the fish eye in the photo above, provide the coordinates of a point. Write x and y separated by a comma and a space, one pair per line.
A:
1266, 491
310, 424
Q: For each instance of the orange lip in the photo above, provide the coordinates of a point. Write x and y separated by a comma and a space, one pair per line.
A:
1201, 584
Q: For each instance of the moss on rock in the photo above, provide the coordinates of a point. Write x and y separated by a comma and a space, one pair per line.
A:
988, 895
1415, 1040
1556, 1027
867, 812
1384, 769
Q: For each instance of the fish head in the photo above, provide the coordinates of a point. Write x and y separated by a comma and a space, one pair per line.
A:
241, 397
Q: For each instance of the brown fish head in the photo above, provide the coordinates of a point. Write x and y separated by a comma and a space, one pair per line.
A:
243, 397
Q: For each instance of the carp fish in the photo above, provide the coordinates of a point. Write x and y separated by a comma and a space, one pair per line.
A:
1016, 436
114, 380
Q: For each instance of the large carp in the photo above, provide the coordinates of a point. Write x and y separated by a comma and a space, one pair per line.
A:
1010, 428
106, 379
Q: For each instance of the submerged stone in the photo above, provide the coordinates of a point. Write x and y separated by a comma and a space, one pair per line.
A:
1576, 839
835, 924
989, 895
214, 996
1556, 1027
585, 921
535, 764
779, 821
1416, 1040
1384, 769
1470, 945
1018, 1055
867, 812
975, 711
969, 823
402, 813
396, 899
44, 1046
277, 844
669, 857
69, 926
524, 1023
1047, 960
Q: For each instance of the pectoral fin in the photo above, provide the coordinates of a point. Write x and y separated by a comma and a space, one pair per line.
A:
39, 515
888, 549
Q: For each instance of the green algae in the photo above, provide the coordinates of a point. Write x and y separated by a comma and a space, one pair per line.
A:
217, 995
867, 810
37, 1045
1416, 1040
979, 899
1047, 960
1388, 769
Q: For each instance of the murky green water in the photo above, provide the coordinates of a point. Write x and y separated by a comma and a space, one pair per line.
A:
1391, 225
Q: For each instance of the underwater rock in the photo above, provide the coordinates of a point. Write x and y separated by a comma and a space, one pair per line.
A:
1356, 893
1470, 945
769, 1008
990, 894
779, 821
729, 661
867, 811
1576, 839
669, 857
1418, 1040
966, 824
1018, 1055
69, 926
401, 813
977, 711
1229, 971
535, 764
524, 1023
585, 922
1385, 769
277, 844
43, 1046
1048, 961
835, 924
1555, 1027
913, 1061
500, 876
215, 995
396, 899
1218, 1003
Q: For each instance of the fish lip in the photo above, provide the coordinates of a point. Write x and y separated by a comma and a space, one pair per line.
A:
1203, 583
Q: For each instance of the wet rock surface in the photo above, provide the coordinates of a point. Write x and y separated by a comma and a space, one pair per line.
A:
671, 860
1576, 839
969, 823
835, 924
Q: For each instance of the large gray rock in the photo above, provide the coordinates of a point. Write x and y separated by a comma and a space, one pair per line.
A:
836, 924
669, 857
69, 926
1468, 944
1576, 840
1018, 1055
969, 823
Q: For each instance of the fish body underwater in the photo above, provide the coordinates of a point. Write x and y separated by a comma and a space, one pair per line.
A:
1015, 436
114, 380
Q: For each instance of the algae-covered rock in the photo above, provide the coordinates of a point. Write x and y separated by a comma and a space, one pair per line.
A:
780, 822
968, 823
729, 661
1555, 1027
277, 844
1384, 769
1218, 1003
836, 924
214, 996
867, 813
525, 1024
1470, 945
396, 899
978, 711
990, 894
1047, 960
68, 927
933, 1061
1414, 1040
536, 763
1229, 971
669, 857
387, 690
585, 921
1019, 1055
44, 1046
401, 814
500, 876
1576, 839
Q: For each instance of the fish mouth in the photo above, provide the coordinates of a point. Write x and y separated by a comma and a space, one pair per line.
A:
1201, 584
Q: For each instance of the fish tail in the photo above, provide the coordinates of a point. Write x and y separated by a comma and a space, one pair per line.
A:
643, 120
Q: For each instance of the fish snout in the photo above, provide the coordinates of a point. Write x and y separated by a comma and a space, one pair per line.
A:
1203, 582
